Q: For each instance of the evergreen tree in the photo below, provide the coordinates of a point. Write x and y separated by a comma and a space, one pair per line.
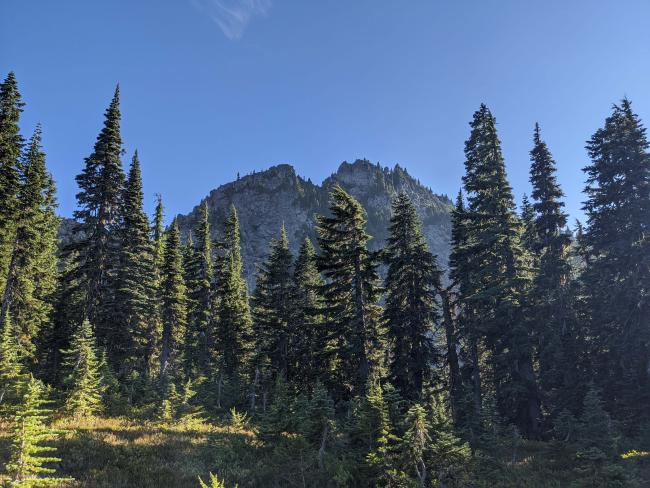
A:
170, 401
190, 345
11, 143
278, 418
595, 425
550, 297
448, 455
135, 278
374, 435
411, 308
308, 351
416, 441
466, 391
84, 396
596, 444
95, 249
234, 344
617, 276
56, 335
528, 238
351, 293
200, 281
158, 241
29, 450
174, 304
498, 276
11, 364
319, 424
273, 311
31, 278
158, 233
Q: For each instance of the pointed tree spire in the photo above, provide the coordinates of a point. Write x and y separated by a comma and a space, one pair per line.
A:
498, 275
11, 143
200, 281
31, 277
95, 251
135, 278
351, 292
234, 341
84, 396
174, 304
550, 298
411, 309
273, 311
309, 355
617, 276
30, 452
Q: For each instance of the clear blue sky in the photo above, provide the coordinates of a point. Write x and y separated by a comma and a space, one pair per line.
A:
215, 87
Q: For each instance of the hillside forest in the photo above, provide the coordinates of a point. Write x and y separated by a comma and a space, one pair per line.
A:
135, 355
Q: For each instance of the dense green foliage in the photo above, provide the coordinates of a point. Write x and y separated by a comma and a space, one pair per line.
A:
11, 144
29, 450
84, 395
95, 252
525, 365
616, 279
411, 308
32, 275
351, 294
173, 305
135, 278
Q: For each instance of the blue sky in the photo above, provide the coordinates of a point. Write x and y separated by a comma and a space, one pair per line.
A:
215, 87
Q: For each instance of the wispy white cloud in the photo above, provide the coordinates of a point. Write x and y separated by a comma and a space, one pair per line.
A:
232, 16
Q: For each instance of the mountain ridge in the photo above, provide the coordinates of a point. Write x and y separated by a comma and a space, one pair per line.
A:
278, 196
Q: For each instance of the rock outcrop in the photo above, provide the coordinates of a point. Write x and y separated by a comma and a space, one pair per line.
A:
266, 200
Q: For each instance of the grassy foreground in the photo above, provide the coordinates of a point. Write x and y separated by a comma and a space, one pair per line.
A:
119, 452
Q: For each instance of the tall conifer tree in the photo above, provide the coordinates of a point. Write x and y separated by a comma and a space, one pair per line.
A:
158, 240
273, 311
309, 348
234, 344
32, 274
174, 304
466, 400
200, 282
617, 276
411, 309
135, 278
351, 293
551, 293
11, 143
96, 247
499, 276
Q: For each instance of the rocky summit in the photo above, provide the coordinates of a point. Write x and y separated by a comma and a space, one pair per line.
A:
266, 200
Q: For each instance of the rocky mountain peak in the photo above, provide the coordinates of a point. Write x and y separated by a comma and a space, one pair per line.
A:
268, 199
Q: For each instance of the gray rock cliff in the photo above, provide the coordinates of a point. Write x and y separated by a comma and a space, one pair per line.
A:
266, 200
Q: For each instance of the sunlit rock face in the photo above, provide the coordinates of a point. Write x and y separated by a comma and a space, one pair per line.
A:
268, 199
